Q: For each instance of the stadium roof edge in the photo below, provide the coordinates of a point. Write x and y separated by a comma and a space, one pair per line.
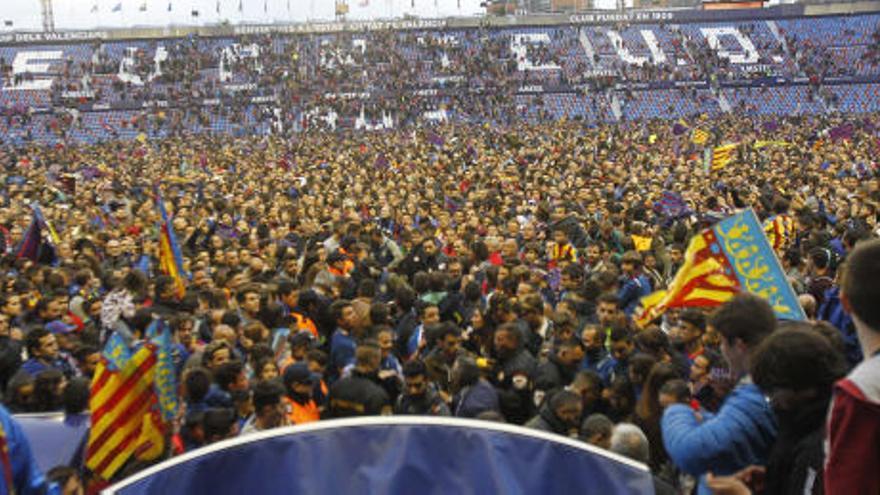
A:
598, 17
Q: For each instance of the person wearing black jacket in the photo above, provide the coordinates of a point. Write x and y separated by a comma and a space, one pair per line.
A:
513, 374
165, 303
558, 370
361, 393
420, 396
796, 367
424, 258
10, 351
561, 415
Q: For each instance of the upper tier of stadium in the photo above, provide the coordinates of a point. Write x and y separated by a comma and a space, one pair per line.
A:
87, 87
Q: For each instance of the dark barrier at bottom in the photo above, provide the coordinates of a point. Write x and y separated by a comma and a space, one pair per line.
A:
394, 455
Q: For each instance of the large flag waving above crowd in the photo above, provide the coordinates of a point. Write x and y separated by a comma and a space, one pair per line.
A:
133, 399
731, 256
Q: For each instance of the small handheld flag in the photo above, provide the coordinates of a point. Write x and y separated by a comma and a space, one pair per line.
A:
170, 259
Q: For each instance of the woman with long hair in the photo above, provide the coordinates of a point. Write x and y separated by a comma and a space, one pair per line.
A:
649, 411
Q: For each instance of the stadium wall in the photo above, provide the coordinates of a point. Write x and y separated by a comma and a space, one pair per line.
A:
640, 16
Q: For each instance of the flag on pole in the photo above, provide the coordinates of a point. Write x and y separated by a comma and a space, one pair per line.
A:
38, 214
240, 5
680, 127
218, 6
170, 259
143, 7
94, 8
700, 137
721, 261
117, 7
29, 247
169, 6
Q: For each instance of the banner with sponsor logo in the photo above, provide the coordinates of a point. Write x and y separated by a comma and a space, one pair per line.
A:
686, 15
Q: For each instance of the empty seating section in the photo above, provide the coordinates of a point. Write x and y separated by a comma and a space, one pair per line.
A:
781, 100
840, 42
589, 107
668, 104
857, 98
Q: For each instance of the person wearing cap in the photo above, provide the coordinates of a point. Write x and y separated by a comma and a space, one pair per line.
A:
63, 334
298, 402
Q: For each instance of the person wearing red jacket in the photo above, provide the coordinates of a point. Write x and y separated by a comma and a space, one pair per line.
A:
853, 433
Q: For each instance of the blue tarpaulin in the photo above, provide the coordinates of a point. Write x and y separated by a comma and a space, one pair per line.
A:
55, 440
394, 455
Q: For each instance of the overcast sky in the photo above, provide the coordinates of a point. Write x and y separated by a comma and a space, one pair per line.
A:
78, 14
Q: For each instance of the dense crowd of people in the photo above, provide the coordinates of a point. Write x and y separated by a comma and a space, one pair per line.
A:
467, 271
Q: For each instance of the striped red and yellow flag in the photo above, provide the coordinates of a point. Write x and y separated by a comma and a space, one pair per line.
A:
167, 263
703, 280
122, 397
780, 231
700, 137
723, 155
170, 258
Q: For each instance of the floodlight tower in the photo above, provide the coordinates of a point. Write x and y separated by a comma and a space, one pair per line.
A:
48, 16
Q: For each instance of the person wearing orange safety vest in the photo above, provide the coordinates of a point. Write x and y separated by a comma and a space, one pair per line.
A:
299, 383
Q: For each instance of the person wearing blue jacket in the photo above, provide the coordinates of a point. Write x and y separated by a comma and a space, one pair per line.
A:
743, 430
17, 460
634, 285
474, 394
